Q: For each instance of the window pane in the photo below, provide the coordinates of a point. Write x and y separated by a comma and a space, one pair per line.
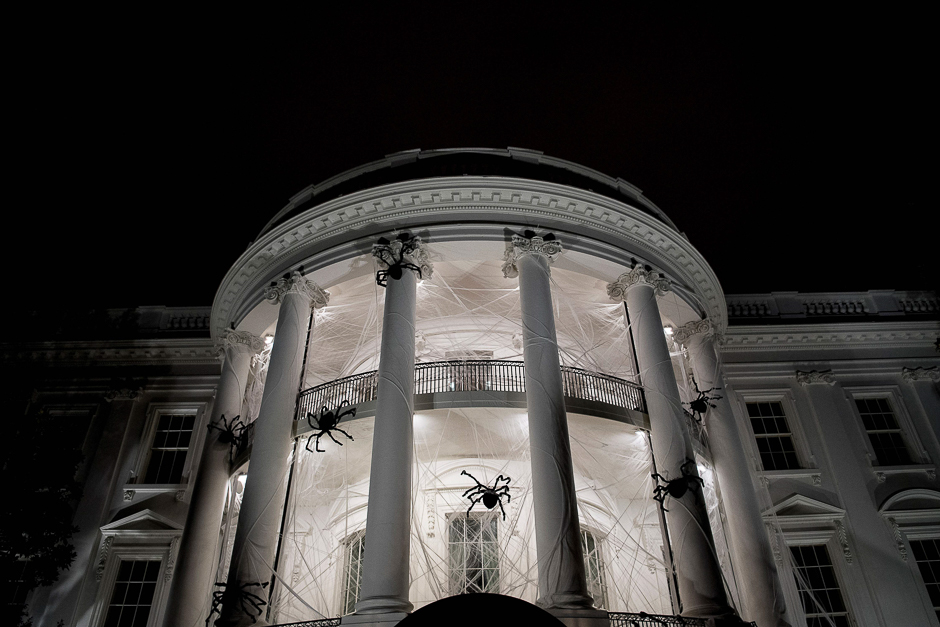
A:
927, 555
473, 553
132, 595
819, 589
884, 432
355, 548
168, 451
774, 440
594, 568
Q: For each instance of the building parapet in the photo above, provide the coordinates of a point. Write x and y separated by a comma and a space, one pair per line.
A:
791, 307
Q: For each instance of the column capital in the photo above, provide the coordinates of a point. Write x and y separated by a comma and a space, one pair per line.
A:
815, 376
241, 342
404, 251
522, 245
639, 275
703, 327
295, 283
921, 374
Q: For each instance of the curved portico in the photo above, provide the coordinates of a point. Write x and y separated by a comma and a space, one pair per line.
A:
467, 313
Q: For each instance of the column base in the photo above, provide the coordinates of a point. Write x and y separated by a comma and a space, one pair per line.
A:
580, 617
385, 619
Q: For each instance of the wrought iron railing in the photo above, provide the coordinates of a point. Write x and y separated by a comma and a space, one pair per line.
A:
642, 619
323, 622
473, 376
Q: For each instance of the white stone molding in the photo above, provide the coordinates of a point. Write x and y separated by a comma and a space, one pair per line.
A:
171, 559
386, 254
103, 552
297, 284
898, 539
242, 341
686, 331
521, 246
129, 495
843, 540
921, 374
881, 335
123, 394
159, 352
815, 376
775, 544
639, 275
614, 229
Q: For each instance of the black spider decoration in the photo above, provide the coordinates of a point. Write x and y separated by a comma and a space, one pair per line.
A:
700, 404
393, 254
676, 488
231, 433
326, 423
491, 497
247, 602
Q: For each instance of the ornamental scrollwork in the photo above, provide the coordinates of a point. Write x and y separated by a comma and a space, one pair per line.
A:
921, 374
295, 283
686, 331
241, 341
815, 376
529, 244
403, 252
639, 275
844, 541
103, 552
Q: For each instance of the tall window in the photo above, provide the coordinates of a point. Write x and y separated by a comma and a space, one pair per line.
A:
132, 597
927, 555
355, 552
884, 433
594, 567
774, 439
170, 445
473, 553
819, 589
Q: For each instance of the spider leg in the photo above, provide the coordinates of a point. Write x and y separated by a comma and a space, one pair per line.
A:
319, 435
464, 472
500, 501
469, 490
504, 491
348, 411
332, 438
344, 433
473, 502
308, 442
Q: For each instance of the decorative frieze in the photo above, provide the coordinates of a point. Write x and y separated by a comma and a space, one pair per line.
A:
171, 559
520, 246
122, 394
921, 374
844, 541
639, 275
295, 283
815, 376
103, 552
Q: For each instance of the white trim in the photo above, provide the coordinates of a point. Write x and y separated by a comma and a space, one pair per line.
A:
894, 396
784, 396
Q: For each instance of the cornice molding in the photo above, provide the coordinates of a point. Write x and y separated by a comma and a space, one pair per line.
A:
115, 353
813, 337
521, 246
485, 205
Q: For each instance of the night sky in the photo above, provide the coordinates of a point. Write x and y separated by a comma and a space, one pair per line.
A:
793, 149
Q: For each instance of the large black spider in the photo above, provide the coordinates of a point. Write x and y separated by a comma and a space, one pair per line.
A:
326, 423
700, 404
247, 602
393, 254
491, 497
676, 488
230, 433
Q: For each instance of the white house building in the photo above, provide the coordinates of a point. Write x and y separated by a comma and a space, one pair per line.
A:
541, 391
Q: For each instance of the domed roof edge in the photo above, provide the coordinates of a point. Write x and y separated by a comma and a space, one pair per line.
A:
618, 186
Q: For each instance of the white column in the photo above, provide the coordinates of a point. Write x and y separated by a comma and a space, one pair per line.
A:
385, 569
259, 520
562, 581
701, 592
191, 590
750, 547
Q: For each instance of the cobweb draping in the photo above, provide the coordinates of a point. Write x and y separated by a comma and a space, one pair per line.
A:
467, 310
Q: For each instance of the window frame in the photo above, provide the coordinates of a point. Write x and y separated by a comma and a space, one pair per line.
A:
599, 542
802, 539
139, 471
808, 466
484, 515
344, 574
892, 394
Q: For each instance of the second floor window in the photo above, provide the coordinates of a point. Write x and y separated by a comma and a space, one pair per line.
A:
473, 553
884, 432
774, 438
169, 448
927, 555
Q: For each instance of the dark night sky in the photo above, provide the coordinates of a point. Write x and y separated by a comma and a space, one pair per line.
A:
793, 149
